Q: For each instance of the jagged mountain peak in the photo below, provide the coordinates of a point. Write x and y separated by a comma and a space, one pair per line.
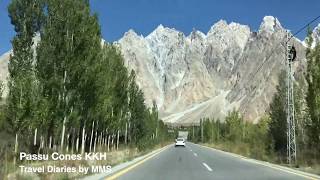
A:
164, 31
222, 25
160, 27
196, 34
204, 75
224, 35
270, 25
130, 33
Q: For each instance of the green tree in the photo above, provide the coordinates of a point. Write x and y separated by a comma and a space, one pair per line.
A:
26, 17
313, 93
234, 123
137, 114
69, 47
278, 124
259, 139
207, 130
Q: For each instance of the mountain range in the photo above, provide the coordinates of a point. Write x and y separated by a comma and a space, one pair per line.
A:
207, 75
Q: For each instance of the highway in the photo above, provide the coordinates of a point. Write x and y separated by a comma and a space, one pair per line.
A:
200, 163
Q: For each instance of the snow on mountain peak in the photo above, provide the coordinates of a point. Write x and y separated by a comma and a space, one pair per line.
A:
226, 34
160, 26
220, 25
131, 32
196, 34
270, 24
163, 31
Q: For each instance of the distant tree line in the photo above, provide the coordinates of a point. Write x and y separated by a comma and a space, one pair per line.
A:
71, 92
234, 134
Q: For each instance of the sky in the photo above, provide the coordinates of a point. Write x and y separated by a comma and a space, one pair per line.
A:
143, 16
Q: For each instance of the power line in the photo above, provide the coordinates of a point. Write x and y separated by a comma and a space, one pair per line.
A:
291, 136
305, 26
276, 47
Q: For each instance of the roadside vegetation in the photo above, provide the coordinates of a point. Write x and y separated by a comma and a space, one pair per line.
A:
70, 92
267, 139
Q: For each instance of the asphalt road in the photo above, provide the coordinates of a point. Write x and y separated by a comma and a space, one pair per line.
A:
197, 162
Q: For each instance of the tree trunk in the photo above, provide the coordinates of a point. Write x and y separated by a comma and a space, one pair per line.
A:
193, 132
68, 136
72, 140
63, 132
126, 134
129, 132
77, 144
83, 140
35, 137
112, 138
15, 150
95, 142
41, 144
105, 139
50, 142
108, 143
90, 146
118, 134
54, 145
65, 116
100, 139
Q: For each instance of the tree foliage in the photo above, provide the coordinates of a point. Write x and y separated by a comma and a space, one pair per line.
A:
313, 93
71, 89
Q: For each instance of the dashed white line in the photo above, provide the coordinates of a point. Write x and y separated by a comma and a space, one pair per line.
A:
208, 167
195, 154
191, 150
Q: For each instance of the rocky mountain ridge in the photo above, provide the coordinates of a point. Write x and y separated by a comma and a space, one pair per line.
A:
206, 75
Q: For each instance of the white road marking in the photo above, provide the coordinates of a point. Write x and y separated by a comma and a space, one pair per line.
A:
267, 164
191, 150
195, 154
206, 165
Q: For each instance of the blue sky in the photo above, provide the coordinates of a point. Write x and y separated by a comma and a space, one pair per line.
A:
118, 16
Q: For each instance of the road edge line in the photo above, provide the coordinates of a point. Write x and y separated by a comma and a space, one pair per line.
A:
134, 165
267, 164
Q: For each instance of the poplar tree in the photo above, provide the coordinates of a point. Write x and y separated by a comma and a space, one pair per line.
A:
70, 44
278, 124
26, 18
313, 93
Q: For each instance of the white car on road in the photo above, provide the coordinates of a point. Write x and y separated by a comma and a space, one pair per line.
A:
180, 142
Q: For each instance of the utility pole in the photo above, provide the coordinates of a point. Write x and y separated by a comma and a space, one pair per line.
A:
291, 135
